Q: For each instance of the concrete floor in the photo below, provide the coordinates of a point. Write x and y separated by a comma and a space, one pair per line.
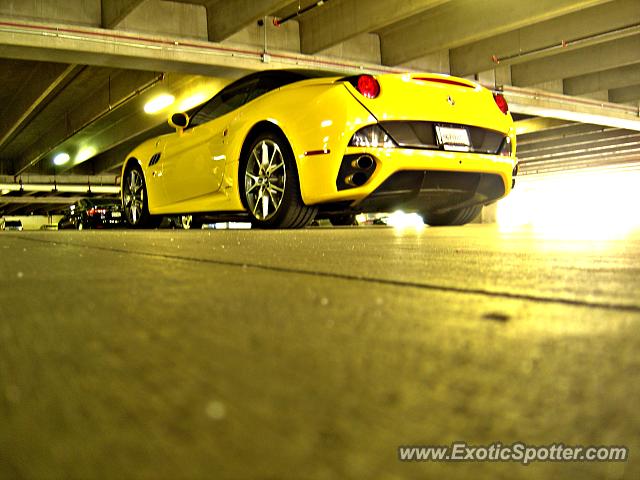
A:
313, 354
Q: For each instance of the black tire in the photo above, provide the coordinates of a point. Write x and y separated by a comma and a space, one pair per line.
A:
461, 216
347, 219
270, 186
135, 200
196, 222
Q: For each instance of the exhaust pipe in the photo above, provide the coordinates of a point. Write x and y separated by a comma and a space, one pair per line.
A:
356, 179
363, 162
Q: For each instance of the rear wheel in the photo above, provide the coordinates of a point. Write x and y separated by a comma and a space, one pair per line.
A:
461, 216
135, 200
270, 186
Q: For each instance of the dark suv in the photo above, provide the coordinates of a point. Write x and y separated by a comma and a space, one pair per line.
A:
93, 213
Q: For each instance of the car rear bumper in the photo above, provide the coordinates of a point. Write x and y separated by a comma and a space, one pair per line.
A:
392, 161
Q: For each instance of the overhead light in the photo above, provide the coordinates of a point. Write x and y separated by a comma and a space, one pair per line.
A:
61, 159
85, 154
192, 101
159, 103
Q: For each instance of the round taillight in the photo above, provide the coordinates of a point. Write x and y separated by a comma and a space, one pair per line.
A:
368, 86
501, 102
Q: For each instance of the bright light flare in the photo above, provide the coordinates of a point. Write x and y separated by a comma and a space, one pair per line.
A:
405, 221
589, 205
61, 159
159, 103
85, 154
192, 101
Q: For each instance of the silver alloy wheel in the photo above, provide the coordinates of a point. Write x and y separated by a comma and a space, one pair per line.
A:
134, 196
265, 180
185, 221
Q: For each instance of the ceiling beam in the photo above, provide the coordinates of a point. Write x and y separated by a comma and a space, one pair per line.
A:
45, 79
605, 137
53, 180
116, 90
341, 20
460, 22
538, 124
603, 80
615, 161
114, 11
98, 47
545, 104
562, 133
226, 18
598, 24
618, 53
629, 94
40, 200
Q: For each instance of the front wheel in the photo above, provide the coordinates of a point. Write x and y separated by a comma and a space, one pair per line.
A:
270, 185
460, 216
184, 222
135, 200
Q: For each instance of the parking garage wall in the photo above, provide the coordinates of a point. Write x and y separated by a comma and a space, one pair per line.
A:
35, 222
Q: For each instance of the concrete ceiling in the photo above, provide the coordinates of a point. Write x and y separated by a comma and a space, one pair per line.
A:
74, 74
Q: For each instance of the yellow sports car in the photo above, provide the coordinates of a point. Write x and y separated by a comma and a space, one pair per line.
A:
283, 147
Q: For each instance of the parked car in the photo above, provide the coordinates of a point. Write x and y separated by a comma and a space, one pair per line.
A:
93, 213
281, 147
12, 225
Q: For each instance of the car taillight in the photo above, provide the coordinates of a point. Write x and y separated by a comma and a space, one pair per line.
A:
372, 136
501, 102
368, 86
506, 148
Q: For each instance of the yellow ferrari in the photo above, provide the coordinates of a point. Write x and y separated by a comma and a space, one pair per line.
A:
283, 147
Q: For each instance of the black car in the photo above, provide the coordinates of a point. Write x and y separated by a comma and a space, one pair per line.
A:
12, 225
93, 213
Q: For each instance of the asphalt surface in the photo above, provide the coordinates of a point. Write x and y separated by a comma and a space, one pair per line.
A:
315, 353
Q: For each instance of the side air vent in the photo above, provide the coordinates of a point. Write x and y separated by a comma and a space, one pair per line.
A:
155, 159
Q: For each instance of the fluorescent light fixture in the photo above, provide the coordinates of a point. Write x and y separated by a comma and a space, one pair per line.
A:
159, 103
85, 154
61, 159
192, 101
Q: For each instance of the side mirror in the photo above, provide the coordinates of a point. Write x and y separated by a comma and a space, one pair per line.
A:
179, 121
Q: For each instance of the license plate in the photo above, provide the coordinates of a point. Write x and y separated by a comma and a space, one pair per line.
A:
452, 138
116, 214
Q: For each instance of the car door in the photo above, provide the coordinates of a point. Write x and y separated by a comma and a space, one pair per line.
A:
193, 161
